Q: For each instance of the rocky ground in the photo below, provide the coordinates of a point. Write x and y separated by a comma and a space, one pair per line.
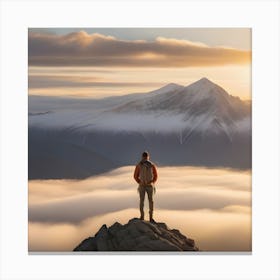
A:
137, 235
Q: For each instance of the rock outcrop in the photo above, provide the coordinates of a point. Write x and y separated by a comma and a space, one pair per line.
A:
137, 235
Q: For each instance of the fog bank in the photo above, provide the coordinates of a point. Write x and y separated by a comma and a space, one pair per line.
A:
212, 206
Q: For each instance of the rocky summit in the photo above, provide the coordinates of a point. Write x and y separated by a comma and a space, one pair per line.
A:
137, 235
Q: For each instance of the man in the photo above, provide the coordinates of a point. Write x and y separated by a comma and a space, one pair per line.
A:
145, 174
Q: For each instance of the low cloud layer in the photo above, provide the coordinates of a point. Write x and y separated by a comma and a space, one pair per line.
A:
204, 203
116, 191
212, 230
83, 49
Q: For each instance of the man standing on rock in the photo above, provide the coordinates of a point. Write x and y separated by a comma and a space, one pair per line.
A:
145, 174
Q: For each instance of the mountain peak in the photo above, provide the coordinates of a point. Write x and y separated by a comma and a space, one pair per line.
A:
205, 89
204, 81
172, 85
137, 235
169, 87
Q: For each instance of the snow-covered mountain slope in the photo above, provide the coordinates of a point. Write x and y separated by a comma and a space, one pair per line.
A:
203, 106
200, 124
198, 98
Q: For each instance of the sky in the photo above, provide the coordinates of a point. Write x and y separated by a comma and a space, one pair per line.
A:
100, 62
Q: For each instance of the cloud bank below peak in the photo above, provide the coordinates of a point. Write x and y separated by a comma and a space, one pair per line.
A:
83, 49
57, 201
212, 206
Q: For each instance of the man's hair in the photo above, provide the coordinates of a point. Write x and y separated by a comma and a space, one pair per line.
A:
145, 154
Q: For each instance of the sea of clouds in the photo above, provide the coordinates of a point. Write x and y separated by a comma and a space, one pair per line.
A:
212, 206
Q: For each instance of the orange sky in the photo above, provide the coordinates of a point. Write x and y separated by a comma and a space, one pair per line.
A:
95, 65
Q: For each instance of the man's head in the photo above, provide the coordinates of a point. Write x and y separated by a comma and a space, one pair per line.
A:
145, 155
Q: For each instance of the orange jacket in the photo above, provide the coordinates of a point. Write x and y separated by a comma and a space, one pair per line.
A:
137, 173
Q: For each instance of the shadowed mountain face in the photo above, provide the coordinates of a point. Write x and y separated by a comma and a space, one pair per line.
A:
200, 124
137, 235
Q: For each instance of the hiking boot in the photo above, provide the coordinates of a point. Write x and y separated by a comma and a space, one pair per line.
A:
151, 217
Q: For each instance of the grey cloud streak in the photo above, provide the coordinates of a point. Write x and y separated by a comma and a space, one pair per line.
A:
48, 81
82, 49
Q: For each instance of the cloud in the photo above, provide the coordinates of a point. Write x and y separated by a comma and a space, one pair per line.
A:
212, 206
60, 81
83, 49
212, 230
57, 201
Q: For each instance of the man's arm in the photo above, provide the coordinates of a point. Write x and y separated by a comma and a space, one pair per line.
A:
155, 175
136, 173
